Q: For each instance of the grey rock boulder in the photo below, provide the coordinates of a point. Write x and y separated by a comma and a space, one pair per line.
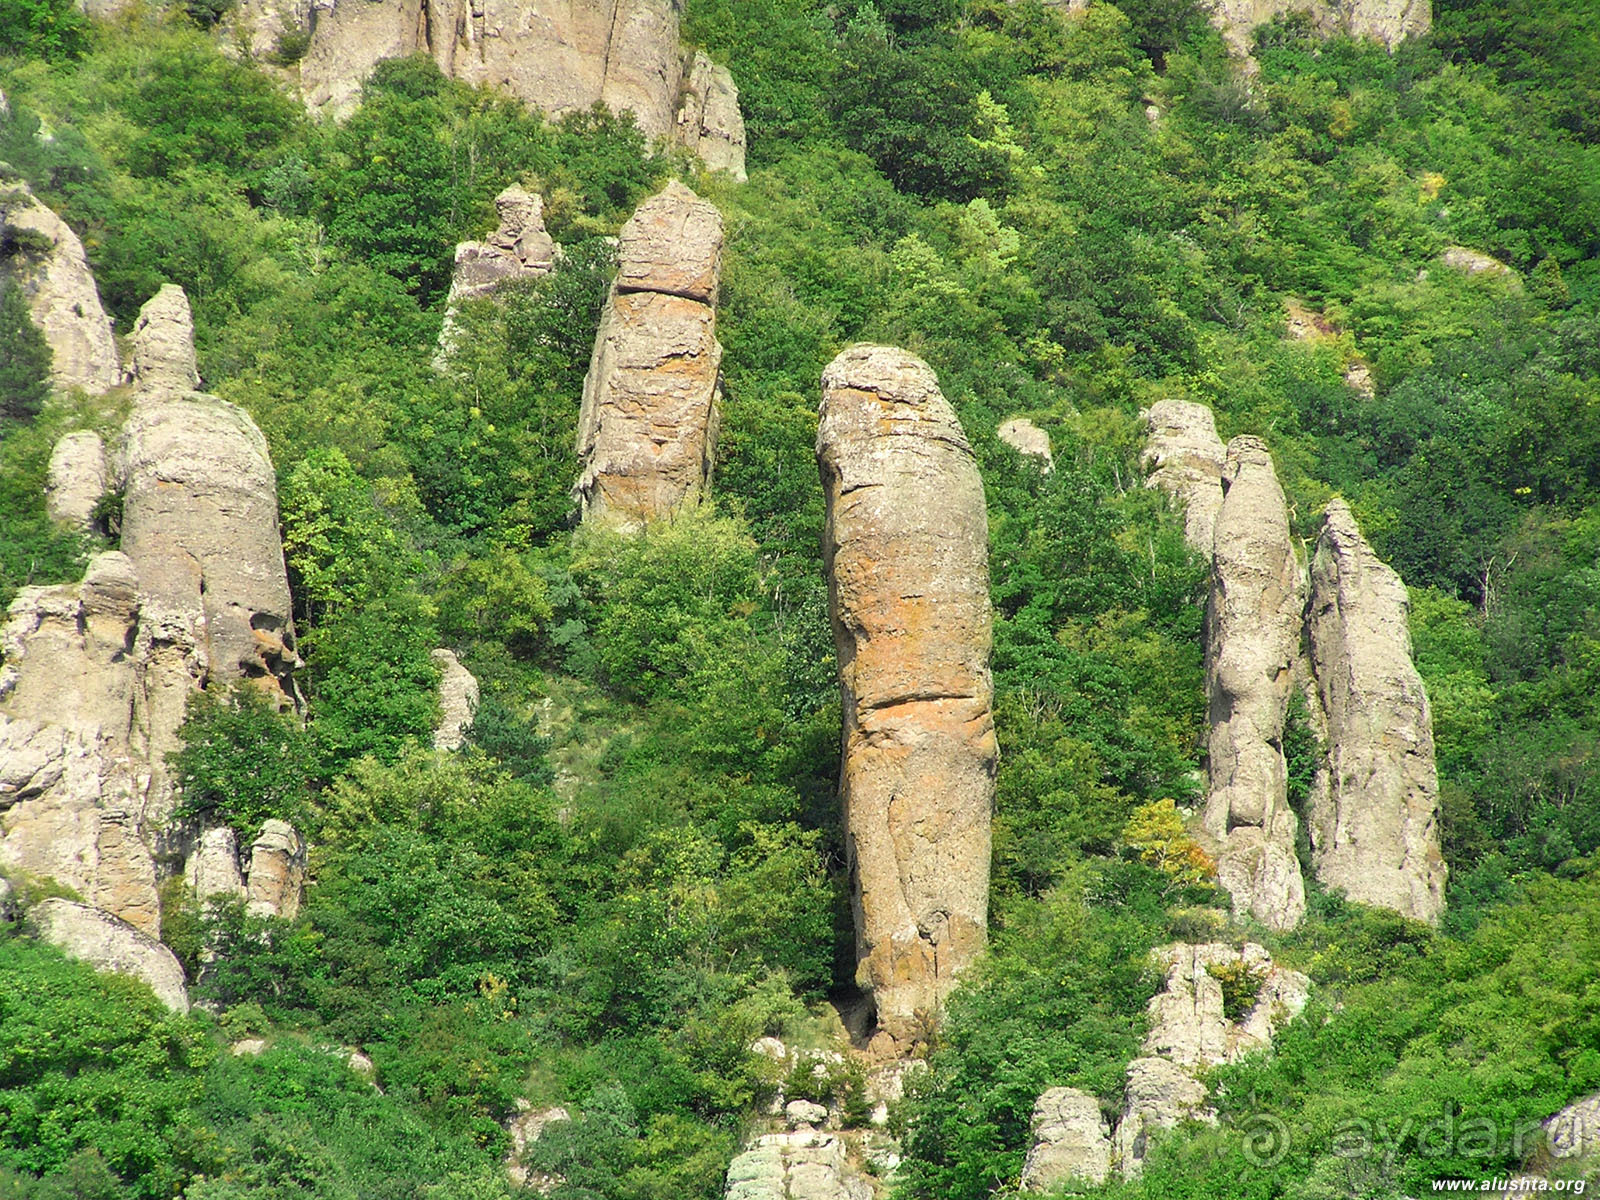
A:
276, 881
1028, 440
458, 700
1071, 1140
78, 477
109, 944
1183, 457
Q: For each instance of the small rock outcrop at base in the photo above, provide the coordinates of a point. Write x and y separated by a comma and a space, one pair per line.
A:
1474, 262
78, 478
1252, 642
906, 547
108, 944
1373, 812
1184, 458
647, 430
804, 1164
1190, 1030
1071, 1140
458, 700
525, 1128
1028, 440
47, 261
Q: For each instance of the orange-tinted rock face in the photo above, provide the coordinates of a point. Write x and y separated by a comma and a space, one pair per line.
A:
906, 549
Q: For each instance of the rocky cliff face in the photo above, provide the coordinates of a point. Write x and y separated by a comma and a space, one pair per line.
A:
458, 700
78, 477
103, 941
1071, 1140
647, 429
1184, 458
560, 56
96, 675
1373, 814
1252, 642
906, 553
45, 257
1386, 21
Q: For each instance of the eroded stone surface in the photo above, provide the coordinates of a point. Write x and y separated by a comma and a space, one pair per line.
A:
1252, 642
78, 478
525, 1128
458, 700
1386, 21
1071, 1140
212, 871
906, 553
1160, 1095
1373, 814
1027, 439
46, 259
806, 1164
647, 429
276, 881
709, 121
109, 944
1184, 458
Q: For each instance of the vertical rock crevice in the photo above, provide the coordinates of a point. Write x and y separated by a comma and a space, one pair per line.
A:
906, 554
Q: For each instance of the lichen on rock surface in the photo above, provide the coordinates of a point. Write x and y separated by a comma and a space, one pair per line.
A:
905, 548
648, 425
1373, 812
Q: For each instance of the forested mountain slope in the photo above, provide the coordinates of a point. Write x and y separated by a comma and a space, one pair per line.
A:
627, 887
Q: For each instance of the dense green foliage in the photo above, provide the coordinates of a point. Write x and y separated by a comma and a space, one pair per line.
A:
635, 867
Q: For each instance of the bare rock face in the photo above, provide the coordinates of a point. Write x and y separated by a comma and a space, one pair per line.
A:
560, 56
906, 552
200, 523
1572, 1138
647, 429
277, 879
458, 700
1252, 641
1373, 815
1184, 458
71, 770
1028, 440
46, 259
212, 870
78, 477
709, 121
1160, 1095
1070, 1141
98, 938
1386, 21
526, 1128
805, 1164
1190, 1030
163, 344
519, 248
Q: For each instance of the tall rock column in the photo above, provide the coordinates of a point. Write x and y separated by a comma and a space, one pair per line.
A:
200, 524
906, 551
1373, 814
1252, 642
1184, 458
648, 427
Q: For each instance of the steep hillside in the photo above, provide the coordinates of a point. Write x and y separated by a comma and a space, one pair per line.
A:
919, 599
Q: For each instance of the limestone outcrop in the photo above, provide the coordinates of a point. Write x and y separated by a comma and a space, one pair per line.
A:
96, 675
560, 56
1071, 1140
905, 548
1252, 642
1373, 813
803, 1164
1386, 21
1184, 458
108, 944
212, 870
520, 248
277, 877
1028, 440
78, 477
72, 773
709, 121
458, 700
44, 256
1190, 1030
647, 430
525, 1128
